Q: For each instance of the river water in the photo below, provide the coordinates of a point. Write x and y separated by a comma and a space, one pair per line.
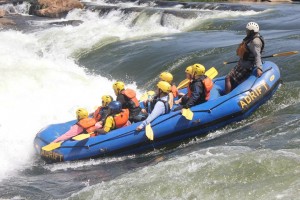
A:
49, 67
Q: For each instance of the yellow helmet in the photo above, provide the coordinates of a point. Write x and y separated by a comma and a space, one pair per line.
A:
166, 76
106, 99
81, 113
164, 86
118, 86
189, 70
198, 69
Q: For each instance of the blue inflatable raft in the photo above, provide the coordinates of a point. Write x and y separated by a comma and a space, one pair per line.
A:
173, 127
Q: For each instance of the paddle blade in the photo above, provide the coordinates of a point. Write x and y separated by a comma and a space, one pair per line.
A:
82, 136
211, 73
149, 132
285, 53
183, 84
146, 95
52, 146
187, 113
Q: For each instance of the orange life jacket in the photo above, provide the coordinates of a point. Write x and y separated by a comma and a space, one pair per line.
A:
97, 115
88, 124
121, 118
174, 91
131, 94
243, 50
208, 85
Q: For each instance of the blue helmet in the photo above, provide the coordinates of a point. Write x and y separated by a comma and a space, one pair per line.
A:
115, 107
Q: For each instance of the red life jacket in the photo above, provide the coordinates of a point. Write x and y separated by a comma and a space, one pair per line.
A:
97, 115
121, 118
88, 124
131, 94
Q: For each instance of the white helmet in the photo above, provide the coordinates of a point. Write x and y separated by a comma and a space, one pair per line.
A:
253, 26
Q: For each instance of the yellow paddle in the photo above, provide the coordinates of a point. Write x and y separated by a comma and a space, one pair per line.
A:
211, 73
52, 146
183, 84
149, 132
187, 113
82, 136
55, 145
288, 53
146, 95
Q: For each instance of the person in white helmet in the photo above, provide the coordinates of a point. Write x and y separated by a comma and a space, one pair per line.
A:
249, 52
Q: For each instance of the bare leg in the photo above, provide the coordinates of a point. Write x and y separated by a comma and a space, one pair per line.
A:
227, 84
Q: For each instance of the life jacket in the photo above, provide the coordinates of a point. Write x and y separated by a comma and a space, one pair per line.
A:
121, 119
189, 94
88, 124
166, 104
151, 105
243, 50
97, 115
131, 95
100, 113
174, 91
207, 86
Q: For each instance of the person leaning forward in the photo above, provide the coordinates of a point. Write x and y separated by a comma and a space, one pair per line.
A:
127, 97
101, 112
149, 103
249, 52
161, 105
84, 124
116, 118
198, 89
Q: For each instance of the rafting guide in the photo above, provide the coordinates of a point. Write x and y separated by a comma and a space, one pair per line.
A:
249, 52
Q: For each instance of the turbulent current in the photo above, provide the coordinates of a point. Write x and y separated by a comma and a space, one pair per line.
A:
49, 67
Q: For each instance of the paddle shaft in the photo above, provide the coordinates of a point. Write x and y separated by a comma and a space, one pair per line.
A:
270, 56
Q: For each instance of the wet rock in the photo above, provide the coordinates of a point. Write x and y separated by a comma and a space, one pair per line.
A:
53, 8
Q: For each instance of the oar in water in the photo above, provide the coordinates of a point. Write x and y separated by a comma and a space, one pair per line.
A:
288, 53
55, 145
211, 73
